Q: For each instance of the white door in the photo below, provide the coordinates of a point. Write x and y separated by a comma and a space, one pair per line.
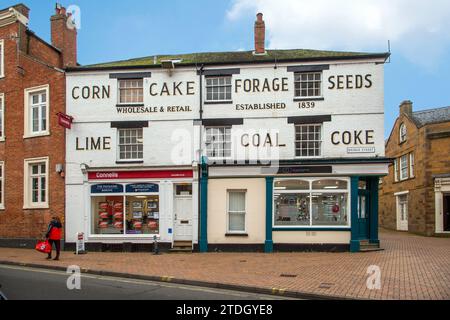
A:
402, 213
183, 218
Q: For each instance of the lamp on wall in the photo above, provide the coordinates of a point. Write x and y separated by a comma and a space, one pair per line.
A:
60, 169
84, 168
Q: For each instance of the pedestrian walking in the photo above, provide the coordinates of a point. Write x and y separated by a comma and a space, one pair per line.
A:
54, 236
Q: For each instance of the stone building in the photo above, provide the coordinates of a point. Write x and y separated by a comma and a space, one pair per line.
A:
415, 196
32, 144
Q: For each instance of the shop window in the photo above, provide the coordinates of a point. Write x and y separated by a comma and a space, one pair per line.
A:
218, 142
2, 116
131, 91
107, 215
142, 214
323, 203
218, 89
36, 183
308, 84
308, 140
131, 144
236, 211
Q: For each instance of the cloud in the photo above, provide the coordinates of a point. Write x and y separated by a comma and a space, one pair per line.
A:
418, 30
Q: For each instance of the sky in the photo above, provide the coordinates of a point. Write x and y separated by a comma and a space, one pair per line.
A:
418, 31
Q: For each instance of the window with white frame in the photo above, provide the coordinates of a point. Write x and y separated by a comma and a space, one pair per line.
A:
311, 202
2, 185
404, 167
218, 89
236, 211
2, 116
36, 184
37, 111
411, 165
131, 144
131, 91
308, 84
218, 142
403, 133
2, 59
396, 170
308, 140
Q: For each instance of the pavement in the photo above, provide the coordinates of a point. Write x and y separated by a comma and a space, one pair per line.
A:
412, 268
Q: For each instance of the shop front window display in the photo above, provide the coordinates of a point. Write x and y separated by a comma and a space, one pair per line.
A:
311, 202
107, 215
142, 214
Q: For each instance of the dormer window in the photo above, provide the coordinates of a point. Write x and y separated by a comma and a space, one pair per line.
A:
403, 133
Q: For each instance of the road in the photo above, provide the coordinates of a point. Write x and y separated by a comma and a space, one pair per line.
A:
20, 283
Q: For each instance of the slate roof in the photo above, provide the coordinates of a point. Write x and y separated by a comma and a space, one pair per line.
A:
422, 118
235, 57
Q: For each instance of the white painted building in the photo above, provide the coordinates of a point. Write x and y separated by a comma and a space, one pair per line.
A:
244, 150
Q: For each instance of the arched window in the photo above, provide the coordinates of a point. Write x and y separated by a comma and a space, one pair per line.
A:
403, 133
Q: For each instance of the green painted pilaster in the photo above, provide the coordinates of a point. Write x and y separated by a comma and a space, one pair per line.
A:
354, 242
268, 246
203, 241
373, 218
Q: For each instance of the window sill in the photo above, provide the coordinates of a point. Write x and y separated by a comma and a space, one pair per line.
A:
2, 207
343, 228
309, 99
218, 102
31, 136
130, 162
2, 139
36, 207
236, 235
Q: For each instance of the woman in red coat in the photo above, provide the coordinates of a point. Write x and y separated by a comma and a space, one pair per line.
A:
54, 236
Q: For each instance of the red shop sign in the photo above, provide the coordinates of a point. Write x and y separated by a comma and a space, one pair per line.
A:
64, 120
121, 175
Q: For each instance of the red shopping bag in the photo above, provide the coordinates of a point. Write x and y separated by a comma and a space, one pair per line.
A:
43, 246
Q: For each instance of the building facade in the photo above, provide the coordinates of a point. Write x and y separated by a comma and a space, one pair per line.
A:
264, 150
415, 196
32, 144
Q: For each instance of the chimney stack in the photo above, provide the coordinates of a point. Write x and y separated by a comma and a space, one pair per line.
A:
406, 107
260, 35
64, 36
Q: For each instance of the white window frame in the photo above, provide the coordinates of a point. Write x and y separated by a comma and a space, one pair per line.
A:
27, 112
134, 88
2, 115
119, 159
310, 191
299, 141
403, 133
2, 58
405, 163
224, 86
223, 156
244, 213
411, 165
307, 81
2, 183
396, 174
27, 193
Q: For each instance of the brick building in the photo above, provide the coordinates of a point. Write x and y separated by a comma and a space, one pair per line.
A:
32, 144
415, 196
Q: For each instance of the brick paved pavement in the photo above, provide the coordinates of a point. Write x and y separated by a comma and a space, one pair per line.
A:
412, 267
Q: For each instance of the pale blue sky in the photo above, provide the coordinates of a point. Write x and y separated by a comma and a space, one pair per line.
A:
419, 69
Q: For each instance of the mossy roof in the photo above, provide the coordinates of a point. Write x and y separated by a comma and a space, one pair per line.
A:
236, 57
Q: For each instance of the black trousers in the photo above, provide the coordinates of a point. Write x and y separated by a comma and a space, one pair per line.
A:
57, 246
